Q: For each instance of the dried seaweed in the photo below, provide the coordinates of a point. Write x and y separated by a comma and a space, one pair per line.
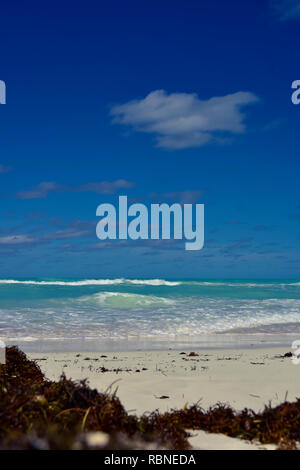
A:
56, 412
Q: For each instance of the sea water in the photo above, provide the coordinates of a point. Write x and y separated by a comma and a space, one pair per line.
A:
107, 314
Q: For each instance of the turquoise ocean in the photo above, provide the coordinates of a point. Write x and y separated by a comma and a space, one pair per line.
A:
120, 314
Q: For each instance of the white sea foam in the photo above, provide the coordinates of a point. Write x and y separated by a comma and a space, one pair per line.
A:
137, 308
153, 282
148, 282
242, 284
86, 282
94, 282
126, 300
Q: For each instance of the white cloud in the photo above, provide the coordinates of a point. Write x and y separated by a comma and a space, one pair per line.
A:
106, 187
16, 240
183, 197
182, 120
42, 190
66, 234
4, 169
286, 9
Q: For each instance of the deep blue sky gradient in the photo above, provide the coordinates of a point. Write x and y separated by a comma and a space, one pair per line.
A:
66, 64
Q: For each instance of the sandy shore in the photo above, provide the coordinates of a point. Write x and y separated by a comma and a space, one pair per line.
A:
149, 380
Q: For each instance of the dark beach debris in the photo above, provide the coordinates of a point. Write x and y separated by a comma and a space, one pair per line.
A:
36, 413
182, 353
103, 355
227, 358
162, 397
282, 356
193, 354
104, 369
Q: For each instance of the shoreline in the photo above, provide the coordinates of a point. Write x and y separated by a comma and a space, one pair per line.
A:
202, 342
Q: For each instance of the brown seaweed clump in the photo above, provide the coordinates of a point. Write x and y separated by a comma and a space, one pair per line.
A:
38, 413
30, 406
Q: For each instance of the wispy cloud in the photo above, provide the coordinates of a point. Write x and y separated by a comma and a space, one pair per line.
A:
160, 245
232, 222
16, 240
66, 234
4, 168
43, 189
40, 191
74, 230
105, 187
185, 197
182, 197
286, 9
239, 244
182, 120
262, 228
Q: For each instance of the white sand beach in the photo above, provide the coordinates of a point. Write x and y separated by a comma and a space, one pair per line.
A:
149, 380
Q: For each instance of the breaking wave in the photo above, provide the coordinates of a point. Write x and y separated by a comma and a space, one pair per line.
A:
95, 282
124, 300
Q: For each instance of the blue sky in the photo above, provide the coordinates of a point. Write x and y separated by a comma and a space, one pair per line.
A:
163, 101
